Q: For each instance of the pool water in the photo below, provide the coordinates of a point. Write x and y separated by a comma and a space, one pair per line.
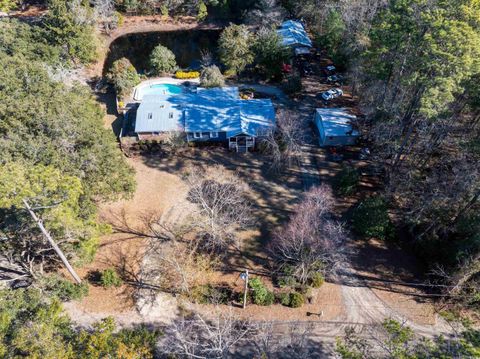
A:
161, 89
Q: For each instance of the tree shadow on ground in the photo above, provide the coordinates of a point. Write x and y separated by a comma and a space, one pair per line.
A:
272, 195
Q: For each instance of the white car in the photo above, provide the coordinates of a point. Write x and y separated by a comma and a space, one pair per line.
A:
332, 94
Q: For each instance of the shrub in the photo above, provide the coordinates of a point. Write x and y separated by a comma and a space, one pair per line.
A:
296, 300
187, 75
287, 281
260, 294
284, 299
162, 61
120, 18
164, 10
293, 84
202, 11
175, 140
212, 77
346, 181
123, 76
208, 294
270, 53
64, 289
109, 278
317, 280
8, 5
229, 73
370, 219
269, 298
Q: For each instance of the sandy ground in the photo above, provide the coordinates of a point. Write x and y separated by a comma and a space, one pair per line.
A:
326, 305
156, 191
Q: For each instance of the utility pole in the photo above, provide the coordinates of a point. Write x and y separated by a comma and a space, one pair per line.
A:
245, 289
52, 242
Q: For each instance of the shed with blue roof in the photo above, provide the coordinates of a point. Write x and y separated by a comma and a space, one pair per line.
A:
335, 126
293, 35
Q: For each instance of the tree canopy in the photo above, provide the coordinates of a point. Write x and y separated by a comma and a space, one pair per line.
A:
35, 327
55, 154
162, 61
235, 47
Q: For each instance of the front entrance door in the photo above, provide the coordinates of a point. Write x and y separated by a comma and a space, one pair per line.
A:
241, 141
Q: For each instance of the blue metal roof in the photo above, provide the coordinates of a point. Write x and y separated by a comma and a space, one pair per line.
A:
159, 114
293, 34
337, 122
256, 116
214, 110
205, 110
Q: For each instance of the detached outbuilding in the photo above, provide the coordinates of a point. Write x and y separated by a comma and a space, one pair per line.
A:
294, 36
335, 126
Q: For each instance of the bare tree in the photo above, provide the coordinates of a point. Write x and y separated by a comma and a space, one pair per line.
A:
284, 142
203, 338
311, 241
282, 340
222, 206
266, 13
177, 267
105, 14
24, 251
160, 227
171, 260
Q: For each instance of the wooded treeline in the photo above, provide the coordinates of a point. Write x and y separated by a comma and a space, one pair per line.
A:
414, 65
55, 152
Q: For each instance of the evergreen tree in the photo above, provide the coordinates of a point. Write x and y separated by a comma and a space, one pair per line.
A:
70, 24
235, 47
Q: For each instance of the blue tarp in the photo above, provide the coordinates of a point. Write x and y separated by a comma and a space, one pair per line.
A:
293, 34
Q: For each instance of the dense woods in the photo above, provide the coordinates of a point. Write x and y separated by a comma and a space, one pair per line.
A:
415, 81
55, 152
414, 66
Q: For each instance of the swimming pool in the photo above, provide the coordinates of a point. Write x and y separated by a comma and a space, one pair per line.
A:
158, 89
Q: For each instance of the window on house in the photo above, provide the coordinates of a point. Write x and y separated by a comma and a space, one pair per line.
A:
213, 134
150, 115
197, 134
170, 115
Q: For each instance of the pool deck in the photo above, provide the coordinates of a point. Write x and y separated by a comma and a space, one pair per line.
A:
157, 81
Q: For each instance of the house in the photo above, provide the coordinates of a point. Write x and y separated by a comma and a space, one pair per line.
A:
294, 36
157, 114
207, 115
335, 127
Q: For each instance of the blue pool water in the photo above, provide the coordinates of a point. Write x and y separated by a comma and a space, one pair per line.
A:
161, 89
